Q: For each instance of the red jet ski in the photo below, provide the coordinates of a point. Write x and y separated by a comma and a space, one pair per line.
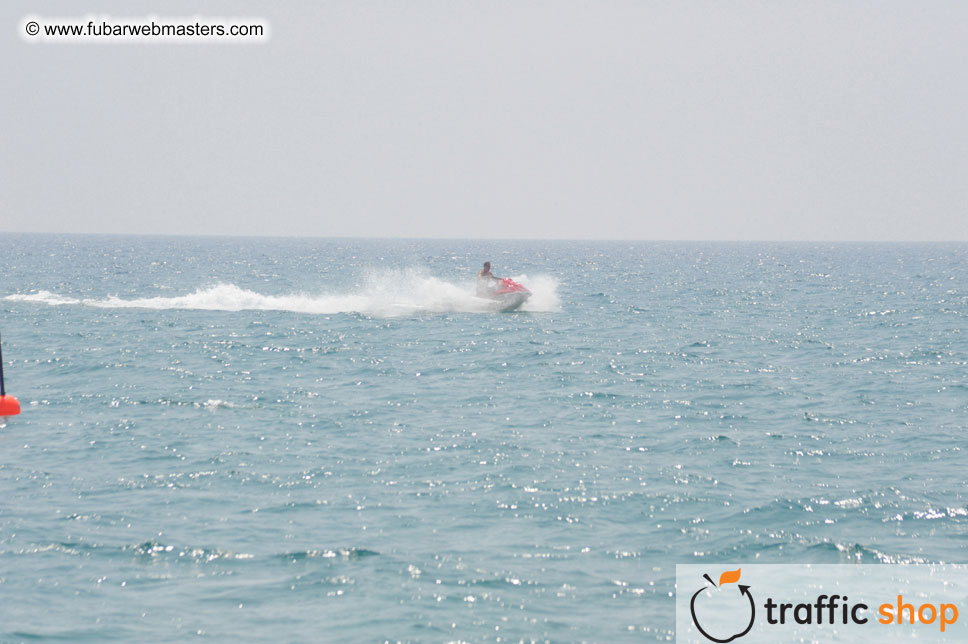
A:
506, 292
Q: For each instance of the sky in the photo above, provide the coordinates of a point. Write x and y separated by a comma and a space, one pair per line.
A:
497, 119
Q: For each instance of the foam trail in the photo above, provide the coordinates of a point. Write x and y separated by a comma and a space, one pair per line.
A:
43, 297
386, 293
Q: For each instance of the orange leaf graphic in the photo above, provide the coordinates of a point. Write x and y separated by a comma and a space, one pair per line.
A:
729, 577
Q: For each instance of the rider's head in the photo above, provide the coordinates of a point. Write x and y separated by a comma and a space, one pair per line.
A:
487, 266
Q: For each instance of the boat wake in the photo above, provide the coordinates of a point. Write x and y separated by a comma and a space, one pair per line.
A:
384, 294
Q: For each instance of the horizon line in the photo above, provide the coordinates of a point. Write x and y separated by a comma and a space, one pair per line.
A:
494, 239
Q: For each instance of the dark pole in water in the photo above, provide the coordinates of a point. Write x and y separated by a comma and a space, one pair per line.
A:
3, 392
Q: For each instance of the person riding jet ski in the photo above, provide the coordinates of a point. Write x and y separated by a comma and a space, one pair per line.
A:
486, 281
508, 293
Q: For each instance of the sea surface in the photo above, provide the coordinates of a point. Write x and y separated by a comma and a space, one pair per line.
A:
292, 440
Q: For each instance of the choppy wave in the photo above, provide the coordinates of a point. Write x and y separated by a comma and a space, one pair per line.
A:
386, 293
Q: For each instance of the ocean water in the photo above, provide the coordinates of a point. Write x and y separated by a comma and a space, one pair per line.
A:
332, 440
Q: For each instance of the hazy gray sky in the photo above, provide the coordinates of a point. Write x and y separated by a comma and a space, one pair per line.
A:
648, 120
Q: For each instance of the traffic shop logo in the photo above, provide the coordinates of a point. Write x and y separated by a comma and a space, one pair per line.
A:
736, 599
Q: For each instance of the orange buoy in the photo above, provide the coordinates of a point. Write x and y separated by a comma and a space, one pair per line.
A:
9, 406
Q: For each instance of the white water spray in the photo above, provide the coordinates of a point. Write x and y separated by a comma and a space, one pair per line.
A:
384, 294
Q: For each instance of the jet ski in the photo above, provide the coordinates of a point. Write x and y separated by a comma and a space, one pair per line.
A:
507, 293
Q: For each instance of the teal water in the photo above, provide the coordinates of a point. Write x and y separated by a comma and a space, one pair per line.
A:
333, 440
